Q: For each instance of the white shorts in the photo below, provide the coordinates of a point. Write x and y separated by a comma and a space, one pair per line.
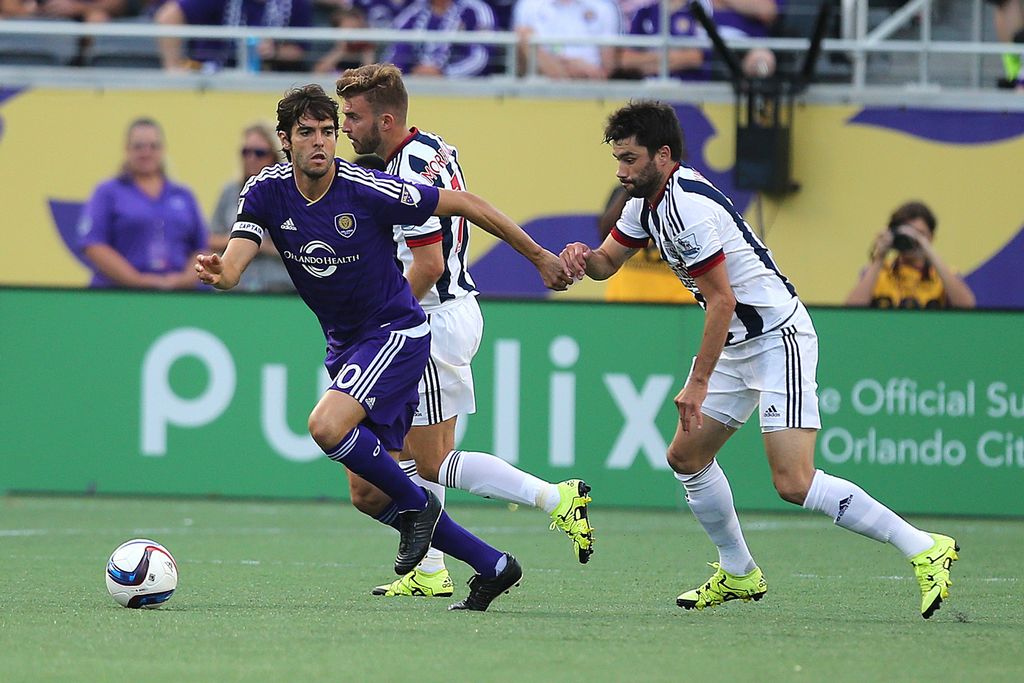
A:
774, 373
446, 388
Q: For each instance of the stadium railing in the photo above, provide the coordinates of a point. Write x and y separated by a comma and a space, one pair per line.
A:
853, 52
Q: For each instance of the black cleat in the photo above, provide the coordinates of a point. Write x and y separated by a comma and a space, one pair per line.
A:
483, 591
416, 528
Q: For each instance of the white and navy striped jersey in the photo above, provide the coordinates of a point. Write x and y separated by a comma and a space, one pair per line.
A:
696, 228
426, 158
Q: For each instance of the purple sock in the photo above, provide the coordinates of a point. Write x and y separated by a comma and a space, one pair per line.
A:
452, 539
361, 452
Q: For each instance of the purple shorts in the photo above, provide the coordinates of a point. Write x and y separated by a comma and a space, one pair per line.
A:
382, 372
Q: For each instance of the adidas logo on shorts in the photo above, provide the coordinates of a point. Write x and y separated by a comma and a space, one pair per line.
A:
771, 412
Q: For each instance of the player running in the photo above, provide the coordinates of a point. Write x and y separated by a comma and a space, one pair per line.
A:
332, 223
375, 105
759, 351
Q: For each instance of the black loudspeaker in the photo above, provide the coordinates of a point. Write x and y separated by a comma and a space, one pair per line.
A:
764, 115
764, 110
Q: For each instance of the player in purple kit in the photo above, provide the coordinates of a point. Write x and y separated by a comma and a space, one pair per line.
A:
332, 223
442, 59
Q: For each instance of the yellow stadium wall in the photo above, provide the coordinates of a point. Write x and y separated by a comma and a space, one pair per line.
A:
533, 158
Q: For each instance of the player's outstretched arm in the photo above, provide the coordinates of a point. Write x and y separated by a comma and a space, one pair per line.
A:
599, 264
223, 272
482, 213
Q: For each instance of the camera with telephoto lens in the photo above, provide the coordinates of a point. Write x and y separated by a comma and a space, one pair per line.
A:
901, 242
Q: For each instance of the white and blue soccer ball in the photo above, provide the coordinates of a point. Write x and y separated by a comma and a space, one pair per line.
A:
141, 573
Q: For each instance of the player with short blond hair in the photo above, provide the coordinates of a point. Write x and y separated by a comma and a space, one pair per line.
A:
433, 254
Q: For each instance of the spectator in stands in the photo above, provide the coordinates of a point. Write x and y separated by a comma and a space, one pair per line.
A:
734, 18
139, 229
905, 271
442, 59
749, 19
89, 11
347, 54
379, 13
582, 18
273, 55
629, 8
260, 148
685, 63
1009, 21
502, 10
76, 10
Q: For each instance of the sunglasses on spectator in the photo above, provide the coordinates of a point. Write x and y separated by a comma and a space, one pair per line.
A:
256, 152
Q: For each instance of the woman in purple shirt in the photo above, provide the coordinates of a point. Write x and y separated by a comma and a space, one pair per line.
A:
140, 230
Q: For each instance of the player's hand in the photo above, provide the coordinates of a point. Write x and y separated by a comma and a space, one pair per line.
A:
574, 260
209, 268
552, 273
688, 403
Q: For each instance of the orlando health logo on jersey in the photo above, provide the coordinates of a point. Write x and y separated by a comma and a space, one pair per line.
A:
426, 158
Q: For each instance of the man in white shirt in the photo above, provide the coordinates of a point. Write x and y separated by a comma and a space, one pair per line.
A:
759, 351
564, 19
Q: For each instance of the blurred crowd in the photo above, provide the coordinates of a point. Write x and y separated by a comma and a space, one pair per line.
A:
587, 19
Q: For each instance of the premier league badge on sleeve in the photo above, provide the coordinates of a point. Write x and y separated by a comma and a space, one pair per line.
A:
410, 195
345, 224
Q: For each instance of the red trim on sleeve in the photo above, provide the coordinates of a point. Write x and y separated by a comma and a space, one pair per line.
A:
627, 241
423, 240
698, 269
413, 132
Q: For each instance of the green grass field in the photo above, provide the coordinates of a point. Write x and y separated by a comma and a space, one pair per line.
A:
275, 591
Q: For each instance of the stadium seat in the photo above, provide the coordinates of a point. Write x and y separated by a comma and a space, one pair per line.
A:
34, 49
126, 52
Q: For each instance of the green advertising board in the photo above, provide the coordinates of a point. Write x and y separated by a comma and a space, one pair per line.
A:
208, 394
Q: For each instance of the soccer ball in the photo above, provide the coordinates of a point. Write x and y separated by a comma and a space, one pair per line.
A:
141, 573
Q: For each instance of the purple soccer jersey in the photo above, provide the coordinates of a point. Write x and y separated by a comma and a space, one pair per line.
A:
269, 13
154, 234
340, 250
451, 59
340, 253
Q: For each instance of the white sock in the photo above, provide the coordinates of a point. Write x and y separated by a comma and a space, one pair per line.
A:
851, 508
489, 476
710, 498
433, 561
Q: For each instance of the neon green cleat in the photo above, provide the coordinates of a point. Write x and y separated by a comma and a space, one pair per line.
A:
932, 569
722, 587
419, 584
571, 517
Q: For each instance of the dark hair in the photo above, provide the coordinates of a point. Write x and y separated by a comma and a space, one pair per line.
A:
308, 100
653, 123
910, 211
371, 161
380, 84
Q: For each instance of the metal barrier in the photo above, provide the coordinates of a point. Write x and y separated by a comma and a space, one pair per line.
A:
519, 76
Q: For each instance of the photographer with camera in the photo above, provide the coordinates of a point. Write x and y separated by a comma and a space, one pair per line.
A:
914, 276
